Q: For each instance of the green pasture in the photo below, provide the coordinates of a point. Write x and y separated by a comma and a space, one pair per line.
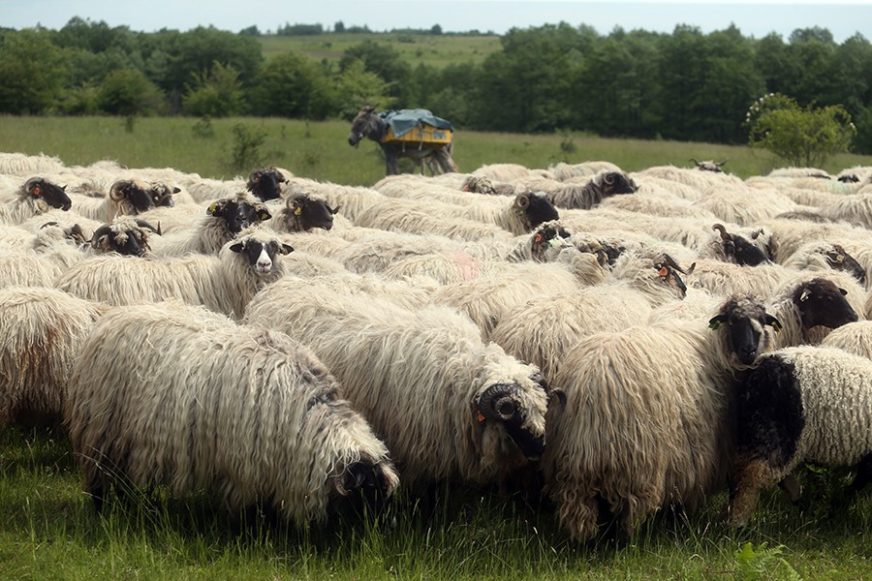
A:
433, 50
319, 149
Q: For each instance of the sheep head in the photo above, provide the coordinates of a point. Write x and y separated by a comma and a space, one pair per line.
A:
615, 182
133, 197
308, 212
124, 236
261, 253
547, 235
238, 213
502, 404
744, 321
839, 259
47, 194
739, 249
162, 195
821, 302
265, 183
535, 209
668, 271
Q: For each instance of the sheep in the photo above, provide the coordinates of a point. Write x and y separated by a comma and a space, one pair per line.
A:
525, 213
125, 235
854, 338
126, 197
265, 183
709, 165
824, 256
855, 209
743, 206
800, 404
657, 204
601, 186
26, 269
482, 185
407, 216
41, 330
564, 171
410, 293
224, 219
799, 172
646, 422
808, 307
62, 219
738, 249
205, 189
351, 201
302, 213
246, 412
224, 284
36, 196
448, 406
699, 180
502, 172
20, 164
724, 278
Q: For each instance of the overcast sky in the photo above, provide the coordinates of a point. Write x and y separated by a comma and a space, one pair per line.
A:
843, 19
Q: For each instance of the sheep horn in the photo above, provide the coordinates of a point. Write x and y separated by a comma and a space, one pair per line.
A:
720, 228
146, 225
118, 190
47, 224
671, 262
497, 402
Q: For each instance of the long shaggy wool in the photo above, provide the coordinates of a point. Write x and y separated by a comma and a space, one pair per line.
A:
415, 375
744, 206
407, 216
645, 425
224, 284
543, 329
26, 269
174, 395
352, 201
41, 331
854, 338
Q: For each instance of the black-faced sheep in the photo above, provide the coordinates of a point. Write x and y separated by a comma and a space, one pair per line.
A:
174, 395
801, 404
125, 198
36, 196
738, 249
302, 213
709, 165
448, 405
601, 186
265, 184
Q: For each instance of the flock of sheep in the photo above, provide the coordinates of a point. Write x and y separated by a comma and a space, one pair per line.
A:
618, 343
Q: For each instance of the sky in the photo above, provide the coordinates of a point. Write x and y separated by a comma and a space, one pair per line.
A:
843, 18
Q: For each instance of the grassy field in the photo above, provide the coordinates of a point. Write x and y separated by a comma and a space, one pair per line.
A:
433, 50
48, 529
320, 150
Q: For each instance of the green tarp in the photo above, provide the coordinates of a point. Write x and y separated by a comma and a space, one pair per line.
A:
405, 120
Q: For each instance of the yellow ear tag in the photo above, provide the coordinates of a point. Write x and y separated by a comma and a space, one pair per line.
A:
213, 207
479, 417
298, 211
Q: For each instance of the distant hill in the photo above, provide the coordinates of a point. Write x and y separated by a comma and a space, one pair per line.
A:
430, 49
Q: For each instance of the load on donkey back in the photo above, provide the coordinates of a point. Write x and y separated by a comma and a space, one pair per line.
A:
413, 133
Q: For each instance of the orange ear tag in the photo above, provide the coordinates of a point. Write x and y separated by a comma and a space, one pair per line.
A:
479, 417
663, 272
537, 238
37, 191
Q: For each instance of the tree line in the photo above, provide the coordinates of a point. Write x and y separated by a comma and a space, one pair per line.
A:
684, 85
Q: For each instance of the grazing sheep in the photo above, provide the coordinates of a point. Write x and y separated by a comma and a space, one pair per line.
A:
36, 196
41, 330
447, 405
601, 186
174, 395
224, 220
224, 284
646, 422
801, 404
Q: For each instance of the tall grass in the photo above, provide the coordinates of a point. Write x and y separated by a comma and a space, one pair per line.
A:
320, 150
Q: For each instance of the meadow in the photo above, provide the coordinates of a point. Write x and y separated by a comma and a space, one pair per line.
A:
433, 50
49, 530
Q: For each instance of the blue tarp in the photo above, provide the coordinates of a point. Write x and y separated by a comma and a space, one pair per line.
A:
405, 120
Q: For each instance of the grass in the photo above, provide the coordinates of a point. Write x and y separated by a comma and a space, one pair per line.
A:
48, 529
320, 151
433, 50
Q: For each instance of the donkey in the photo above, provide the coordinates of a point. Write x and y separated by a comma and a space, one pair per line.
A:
367, 123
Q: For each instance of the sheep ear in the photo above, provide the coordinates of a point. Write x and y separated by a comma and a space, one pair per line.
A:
238, 247
286, 249
804, 296
177, 190
557, 396
263, 214
716, 321
103, 243
775, 323
843, 291
215, 209
334, 210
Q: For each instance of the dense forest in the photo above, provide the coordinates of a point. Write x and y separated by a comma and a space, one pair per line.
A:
686, 85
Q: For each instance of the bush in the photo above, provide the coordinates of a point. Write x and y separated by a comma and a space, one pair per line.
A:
217, 93
801, 136
245, 153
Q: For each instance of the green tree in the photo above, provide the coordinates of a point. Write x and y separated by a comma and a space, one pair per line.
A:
217, 93
385, 61
355, 87
33, 70
128, 92
801, 136
294, 86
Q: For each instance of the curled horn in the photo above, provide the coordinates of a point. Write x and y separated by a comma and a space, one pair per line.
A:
497, 402
118, 190
671, 262
609, 178
720, 228
522, 201
147, 226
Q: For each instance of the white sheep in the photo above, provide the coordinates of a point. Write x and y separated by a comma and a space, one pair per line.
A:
224, 284
175, 395
41, 330
854, 338
801, 404
449, 406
